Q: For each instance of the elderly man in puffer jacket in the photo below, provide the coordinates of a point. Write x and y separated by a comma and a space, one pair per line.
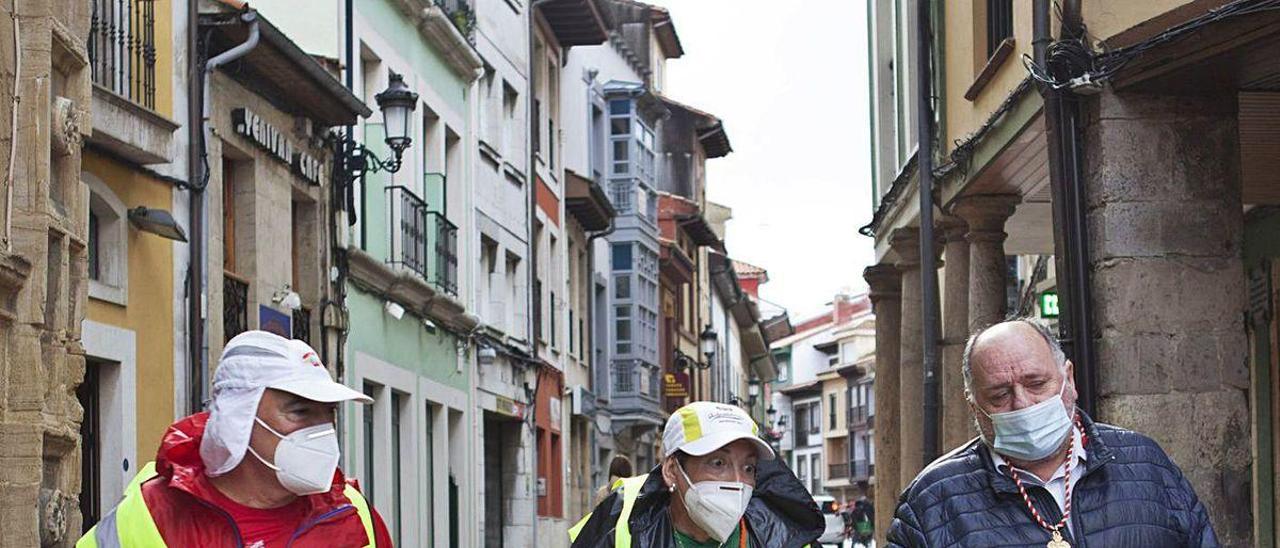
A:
1042, 473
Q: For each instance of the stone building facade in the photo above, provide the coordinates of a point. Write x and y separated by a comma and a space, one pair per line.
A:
43, 266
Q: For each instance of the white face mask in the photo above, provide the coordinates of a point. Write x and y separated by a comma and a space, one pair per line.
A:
1032, 433
305, 459
716, 506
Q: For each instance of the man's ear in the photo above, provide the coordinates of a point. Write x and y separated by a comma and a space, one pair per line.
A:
669, 472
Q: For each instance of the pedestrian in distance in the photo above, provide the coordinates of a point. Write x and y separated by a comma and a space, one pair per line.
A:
258, 470
1041, 472
718, 484
619, 468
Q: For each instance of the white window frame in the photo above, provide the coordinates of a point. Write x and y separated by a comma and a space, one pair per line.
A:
417, 392
118, 400
112, 284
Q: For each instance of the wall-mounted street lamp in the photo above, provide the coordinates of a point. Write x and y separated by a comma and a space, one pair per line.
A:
158, 222
397, 102
753, 390
355, 160
707, 343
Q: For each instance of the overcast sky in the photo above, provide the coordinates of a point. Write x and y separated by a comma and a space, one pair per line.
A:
789, 79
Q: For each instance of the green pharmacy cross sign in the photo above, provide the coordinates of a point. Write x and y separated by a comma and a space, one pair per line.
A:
1049, 304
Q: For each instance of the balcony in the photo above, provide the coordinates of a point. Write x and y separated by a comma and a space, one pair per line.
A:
635, 395
235, 305
444, 257
122, 63
462, 15
408, 220
122, 48
859, 416
861, 470
837, 471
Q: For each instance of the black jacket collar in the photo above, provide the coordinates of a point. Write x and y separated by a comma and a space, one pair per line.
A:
1097, 450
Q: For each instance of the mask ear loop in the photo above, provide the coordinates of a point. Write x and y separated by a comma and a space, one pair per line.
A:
255, 453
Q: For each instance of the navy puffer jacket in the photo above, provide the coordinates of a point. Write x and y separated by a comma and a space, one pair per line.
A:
1130, 494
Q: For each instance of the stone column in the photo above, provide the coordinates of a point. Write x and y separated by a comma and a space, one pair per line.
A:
1163, 191
886, 300
986, 215
906, 244
956, 424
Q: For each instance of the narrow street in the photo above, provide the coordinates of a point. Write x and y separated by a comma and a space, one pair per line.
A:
595, 273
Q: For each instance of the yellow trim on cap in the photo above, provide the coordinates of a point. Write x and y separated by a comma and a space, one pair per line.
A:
692, 426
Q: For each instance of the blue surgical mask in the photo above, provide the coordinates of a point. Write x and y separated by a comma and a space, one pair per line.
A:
1032, 433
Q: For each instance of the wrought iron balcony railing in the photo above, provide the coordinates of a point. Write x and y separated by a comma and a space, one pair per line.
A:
861, 470
122, 48
408, 223
235, 305
838, 471
445, 252
422, 240
302, 324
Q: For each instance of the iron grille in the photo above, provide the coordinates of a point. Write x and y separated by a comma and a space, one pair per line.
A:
235, 306
122, 48
861, 470
445, 275
408, 229
302, 324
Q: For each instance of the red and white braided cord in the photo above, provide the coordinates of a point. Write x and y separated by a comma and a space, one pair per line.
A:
1066, 513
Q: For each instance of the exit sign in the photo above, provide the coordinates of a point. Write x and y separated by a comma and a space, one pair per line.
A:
1049, 304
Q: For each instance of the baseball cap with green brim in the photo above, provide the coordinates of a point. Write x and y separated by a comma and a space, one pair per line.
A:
702, 427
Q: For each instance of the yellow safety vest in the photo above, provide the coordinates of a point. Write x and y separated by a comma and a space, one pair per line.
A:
622, 530
130, 525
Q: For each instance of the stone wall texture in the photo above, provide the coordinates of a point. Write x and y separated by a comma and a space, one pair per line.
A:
1164, 213
43, 269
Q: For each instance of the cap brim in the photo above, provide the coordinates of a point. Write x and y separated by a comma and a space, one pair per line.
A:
714, 441
324, 391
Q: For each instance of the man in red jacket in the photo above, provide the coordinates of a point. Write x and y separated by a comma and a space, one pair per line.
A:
258, 470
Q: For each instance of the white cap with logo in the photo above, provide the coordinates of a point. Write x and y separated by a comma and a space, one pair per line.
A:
702, 427
252, 362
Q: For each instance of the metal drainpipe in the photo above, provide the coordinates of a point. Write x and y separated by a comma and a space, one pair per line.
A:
928, 260
199, 282
1066, 156
195, 285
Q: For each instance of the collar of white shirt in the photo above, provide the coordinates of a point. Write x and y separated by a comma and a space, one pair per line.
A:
1003, 466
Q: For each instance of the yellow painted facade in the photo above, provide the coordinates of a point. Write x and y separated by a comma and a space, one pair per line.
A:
149, 312
964, 53
1107, 18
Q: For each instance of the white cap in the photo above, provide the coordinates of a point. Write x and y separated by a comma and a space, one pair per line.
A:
252, 362
702, 427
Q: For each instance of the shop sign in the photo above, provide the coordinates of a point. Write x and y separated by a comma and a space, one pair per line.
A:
251, 126
509, 407
675, 385
1049, 304
275, 321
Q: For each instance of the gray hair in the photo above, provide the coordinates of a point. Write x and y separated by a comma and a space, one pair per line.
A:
1055, 348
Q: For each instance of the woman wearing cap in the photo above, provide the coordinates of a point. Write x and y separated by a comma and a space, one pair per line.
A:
258, 470
718, 485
